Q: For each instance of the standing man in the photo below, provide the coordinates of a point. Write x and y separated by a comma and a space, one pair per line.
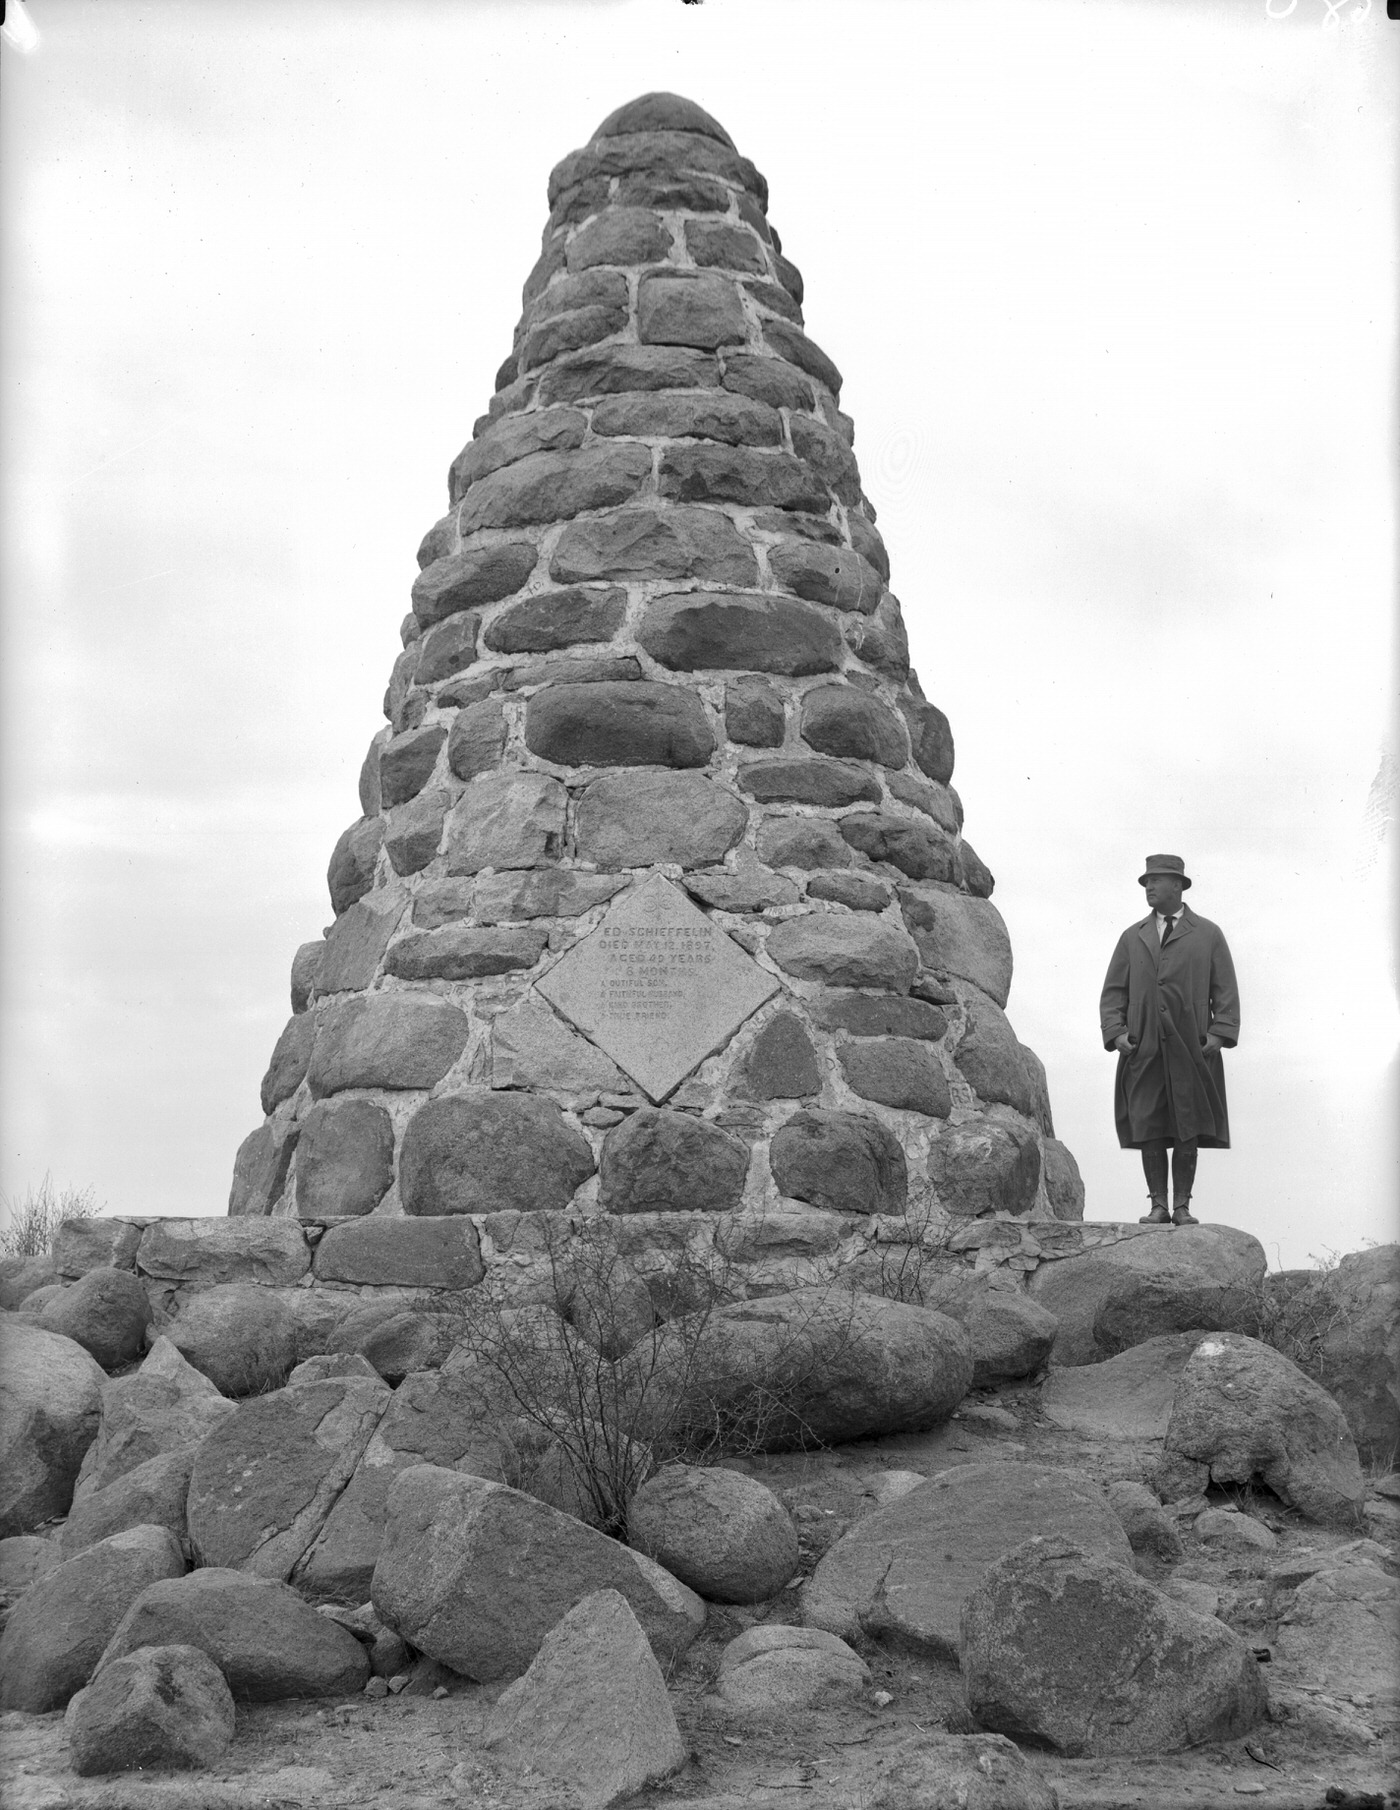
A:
1169, 1006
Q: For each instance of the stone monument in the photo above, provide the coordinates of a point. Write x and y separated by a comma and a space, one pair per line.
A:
659, 897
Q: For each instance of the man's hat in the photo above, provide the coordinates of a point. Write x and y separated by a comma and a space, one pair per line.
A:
1172, 865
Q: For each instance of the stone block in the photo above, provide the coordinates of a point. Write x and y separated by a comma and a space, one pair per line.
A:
477, 740
808, 842
260, 1169
306, 971
567, 332
857, 892
622, 369
345, 1159
683, 310
506, 820
769, 380
887, 1015
551, 487
479, 1151
354, 948
829, 456
898, 1072
698, 630
640, 724
842, 720
792, 344
751, 477
882, 640
512, 438
691, 415
571, 669
203, 1252
807, 780
754, 714
939, 802
915, 848
663, 189
931, 738
782, 1065
392, 1040
654, 544
290, 1055
477, 575
847, 1162
402, 1253
81, 1245
531, 1048
448, 648
542, 892
844, 951
832, 575
960, 935
986, 1164
351, 871
413, 831
464, 952
406, 763
641, 819
657, 1161
750, 887
990, 1058
620, 235
553, 619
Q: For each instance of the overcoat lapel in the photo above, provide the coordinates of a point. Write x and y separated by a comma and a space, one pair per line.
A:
1147, 930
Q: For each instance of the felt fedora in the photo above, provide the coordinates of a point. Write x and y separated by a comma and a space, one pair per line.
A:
1172, 865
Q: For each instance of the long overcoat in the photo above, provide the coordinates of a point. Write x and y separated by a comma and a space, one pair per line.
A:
1168, 997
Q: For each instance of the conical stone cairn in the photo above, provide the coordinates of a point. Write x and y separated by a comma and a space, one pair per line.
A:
659, 898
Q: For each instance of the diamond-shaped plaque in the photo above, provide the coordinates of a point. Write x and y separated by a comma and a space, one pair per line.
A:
657, 985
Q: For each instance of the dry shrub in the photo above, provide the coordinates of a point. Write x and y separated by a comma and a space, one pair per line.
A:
31, 1223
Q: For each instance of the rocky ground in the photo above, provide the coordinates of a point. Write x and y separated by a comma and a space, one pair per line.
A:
1332, 1738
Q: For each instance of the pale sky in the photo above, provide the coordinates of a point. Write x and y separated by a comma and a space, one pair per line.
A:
1112, 283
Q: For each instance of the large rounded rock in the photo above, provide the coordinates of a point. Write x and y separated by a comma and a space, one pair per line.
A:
263, 1483
1242, 1411
846, 1161
960, 1772
769, 1672
726, 1535
986, 1164
506, 820
476, 1574
1213, 1270
650, 544
242, 1337
723, 630
905, 1571
843, 720
166, 1406
1068, 1649
50, 1405
916, 848
394, 1040
844, 951
819, 1366
991, 1060
20, 1277
1128, 1397
56, 1632
960, 935
619, 725
808, 780
166, 1707
665, 1162
481, 1151
642, 819
344, 1160
265, 1640
106, 1312
1348, 1320
898, 1072
1010, 1334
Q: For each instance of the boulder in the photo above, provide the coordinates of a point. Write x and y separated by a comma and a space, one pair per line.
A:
344, 1159
1228, 1530
633, 724
936, 1771
390, 1040
385, 1252
640, 819
1347, 1319
808, 780
1210, 1271
81, 1245
846, 1161
478, 739
989, 1163
960, 935
781, 1063
477, 576
1128, 1397
20, 1277
822, 1365
431, 1418
395, 1339
694, 631
771, 1671
242, 1337
802, 842
1066, 1648
166, 1406
899, 1072
662, 1161
1064, 1186
476, 1574
506, 820
916, 848
651, 544
24, 1559
353, 949
753, 714
164, 1707
480, 1151
531, 1048
204, 1252
106, 1312
591, 1712
56, 1632
842, 950
50, 1405
1243, 1410
905, 1571
265, 1640
555, 619
264, 1482
1338, 1633
1152, 1533
1009, 1334
725, 1535
150, 1495
990, 1059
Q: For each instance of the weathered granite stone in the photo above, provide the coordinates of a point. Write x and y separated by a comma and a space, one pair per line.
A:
551, 487
345, 1159
640, 819
512, 438
727, 1536
832, 575
829, 456
782, 1065
792, 344
532, 1048
771, 1670
986, 1164
448, 648
387, 1040
931, 738
654, 544
767, 380
510, 819
754, 714
354, 948
684, 310
291, 1053
106, 1312
915, 848
990, 1058
306, 971
407, 762
150, 1495
165, 1707
844, 951
939, 802
857, 892
478, 575
81, 1245
477, 740
961, 936
881, 639
544, 892
691, 414
1064, 1186
898, 1072
463, 952
664, 1162
750, 887
351, 871
720, 245
567, 332
203, 1252
164, 1406
620, 369
739, 474
887, 1015
808, 780
788, 275
845, 1161
670, 189
571, 669
802, 842
242, 1337
49, 1415
642, 724
621, 235
553, 619
402, 1253
479, 1151
21, 1277
842, 720
413, 831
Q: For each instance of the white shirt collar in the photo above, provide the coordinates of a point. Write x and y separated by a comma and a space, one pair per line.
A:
1173, 915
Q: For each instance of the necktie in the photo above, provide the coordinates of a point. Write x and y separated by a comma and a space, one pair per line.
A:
1167, 926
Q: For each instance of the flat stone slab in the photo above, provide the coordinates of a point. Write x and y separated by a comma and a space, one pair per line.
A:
1129, 1397
657, 986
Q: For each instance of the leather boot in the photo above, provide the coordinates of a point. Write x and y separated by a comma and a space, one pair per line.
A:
1182, 1215
1159, 1215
